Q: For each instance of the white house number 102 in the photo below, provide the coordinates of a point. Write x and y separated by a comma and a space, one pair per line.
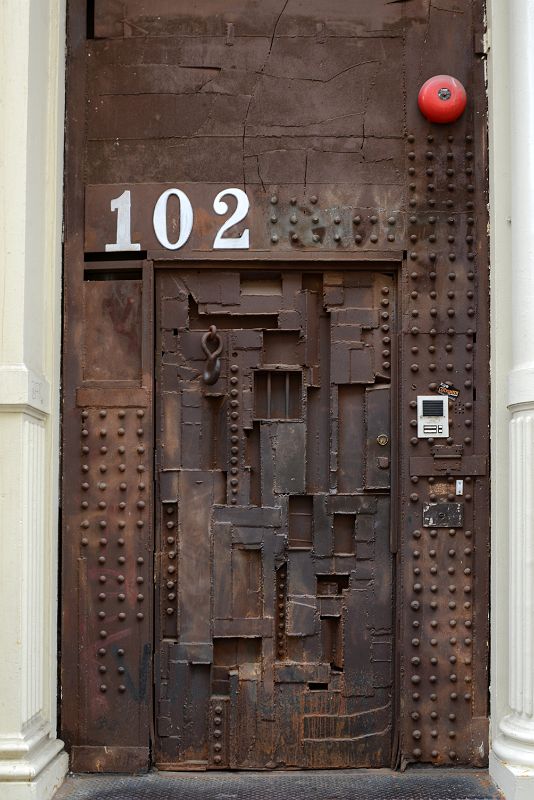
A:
123, 206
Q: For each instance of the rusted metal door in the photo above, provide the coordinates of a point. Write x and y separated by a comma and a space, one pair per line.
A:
289, 138
274, 566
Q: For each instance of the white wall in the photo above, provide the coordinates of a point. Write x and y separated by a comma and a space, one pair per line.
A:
32, 79
500, 256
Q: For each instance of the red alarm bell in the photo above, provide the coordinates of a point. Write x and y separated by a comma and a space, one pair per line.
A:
442, 99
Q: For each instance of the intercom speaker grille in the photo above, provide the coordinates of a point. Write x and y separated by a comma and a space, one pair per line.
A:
433, 408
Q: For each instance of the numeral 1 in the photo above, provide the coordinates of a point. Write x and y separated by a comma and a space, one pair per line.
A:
123, 206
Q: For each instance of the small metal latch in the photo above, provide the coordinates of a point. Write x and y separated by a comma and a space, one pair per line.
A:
382, 439
382, 462
213, 362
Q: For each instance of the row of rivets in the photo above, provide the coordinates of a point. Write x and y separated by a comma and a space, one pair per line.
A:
234, 414
169, 536
217, 721
280, 616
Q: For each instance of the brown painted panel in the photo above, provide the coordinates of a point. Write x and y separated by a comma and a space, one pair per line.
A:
112, 328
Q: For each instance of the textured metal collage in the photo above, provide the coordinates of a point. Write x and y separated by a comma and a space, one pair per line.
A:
312, 111
274, 569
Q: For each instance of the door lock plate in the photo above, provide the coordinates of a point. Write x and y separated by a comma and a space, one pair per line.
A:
443, 515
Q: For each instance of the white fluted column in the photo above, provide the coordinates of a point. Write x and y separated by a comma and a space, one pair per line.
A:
512, 760
32, 761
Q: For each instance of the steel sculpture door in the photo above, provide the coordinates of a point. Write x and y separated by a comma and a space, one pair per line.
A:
274, 568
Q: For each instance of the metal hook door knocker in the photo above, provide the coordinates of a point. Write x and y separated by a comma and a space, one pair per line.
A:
212, 370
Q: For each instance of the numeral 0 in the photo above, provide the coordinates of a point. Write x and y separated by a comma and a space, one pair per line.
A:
160, 219
123, 206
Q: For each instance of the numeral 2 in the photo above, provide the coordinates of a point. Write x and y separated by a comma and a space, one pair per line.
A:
221, 207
